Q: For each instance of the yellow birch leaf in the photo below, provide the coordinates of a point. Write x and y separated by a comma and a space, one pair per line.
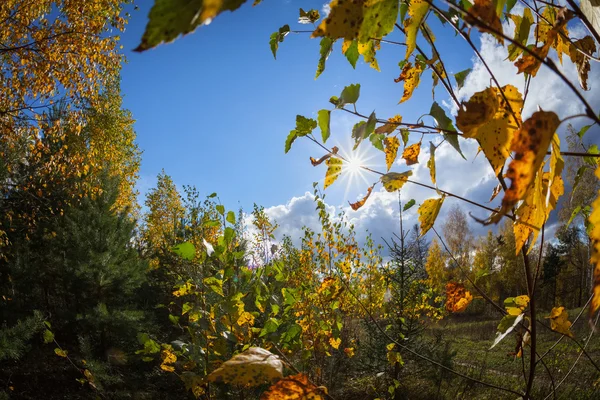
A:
428, 212
431, 162
417, 9
594, 220
367, 50
252, 367
530, 144
489, 119
335, 343
530, 215
411, 77
168, 358
391, 145
393, 181
361, 202
334, 167
559, 321
390, 126
60, 352
294, 387
245, 318
411, 153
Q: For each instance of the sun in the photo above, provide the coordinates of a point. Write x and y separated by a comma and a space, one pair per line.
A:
355, 164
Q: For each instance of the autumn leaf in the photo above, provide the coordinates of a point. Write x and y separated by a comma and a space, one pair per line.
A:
417, 10
457, 297
390, 126
350, 50
368, 50
485, 11
362, 129
495, 192
60, 352
559, 321
411, 153
361, 202
522, 27
326, 48
506, 326
323, 117
582, 62
594, 220
410, 76
445, 123
489, 119
360, 20
168, 359
334, 167
294, 387
530, 215
530, 144
431, 162
308, 17
428, 212
252, 367
335, 342
391, 145
393, 181
170, 18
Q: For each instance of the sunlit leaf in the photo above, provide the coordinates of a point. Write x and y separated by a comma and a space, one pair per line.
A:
411, 76
405, 133
391, 143
294, 387
506, 326
445, 123
185, 250
522, 26
323, 118
368, 50
559, 321
349, 95
390, 126
393, 181
363, 129
350, 50
588, 45
417, 10
60, 352
215, 284
355, 206
428, 212
334, 167
431, 162
411, 153
485, 11
252, 367
326, 48
304, 125
457, 297
170, 18
594, 221
277, 37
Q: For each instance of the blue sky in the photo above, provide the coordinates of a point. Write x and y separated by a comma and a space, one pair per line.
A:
214, 108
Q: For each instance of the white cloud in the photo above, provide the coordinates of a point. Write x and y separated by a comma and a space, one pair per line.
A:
325, 10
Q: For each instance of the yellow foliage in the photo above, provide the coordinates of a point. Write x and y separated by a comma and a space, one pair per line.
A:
391, 145
334, 167
393, 181
428, 212
411, 77
411, 153
417, 10
294, 387
559, 321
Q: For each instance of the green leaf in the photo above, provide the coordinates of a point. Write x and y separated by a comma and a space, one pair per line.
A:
220, 208
574, 214
583, 130
405, 134
352, 53
277, 37
170, 18
349, 95
522, 26
408, 205
593, 161
290, 139
461, 76
216, 285
326, 48
323, 118
510, 4
363, 129
271, 326
185, 250
443, 122
174, 319
507, 324
213, 194
378, 20
48, 336
230, 217
304, 125
377, 141
578, 177
228, 235
186, 307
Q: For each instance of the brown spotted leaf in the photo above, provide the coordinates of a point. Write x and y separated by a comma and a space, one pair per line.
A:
334, 167
393, 181
391, 145
410, 75
530, 144
390, 126
417, 10
582, 62
497, 190
485, 11
253, 367
594, 220
489, 119
294, 387
411, 153
431, 162
428, 212
530, 214
361, 202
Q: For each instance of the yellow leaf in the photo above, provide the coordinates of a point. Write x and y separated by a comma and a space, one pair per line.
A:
393, 181
389, 127
334, 167
391, 145
361, 202
368, 50
530, 214
245, 318
60, 352
294, 387
349, 351
411, 153
335, 343
559, 321
487, 118
252, 367
594, 220
168, 358
457, 297
428, 212
431, 162
530, 144
417, 9
410, 76
485, 10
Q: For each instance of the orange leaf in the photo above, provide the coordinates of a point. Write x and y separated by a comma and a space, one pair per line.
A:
294, 387
411, 153
360, 203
